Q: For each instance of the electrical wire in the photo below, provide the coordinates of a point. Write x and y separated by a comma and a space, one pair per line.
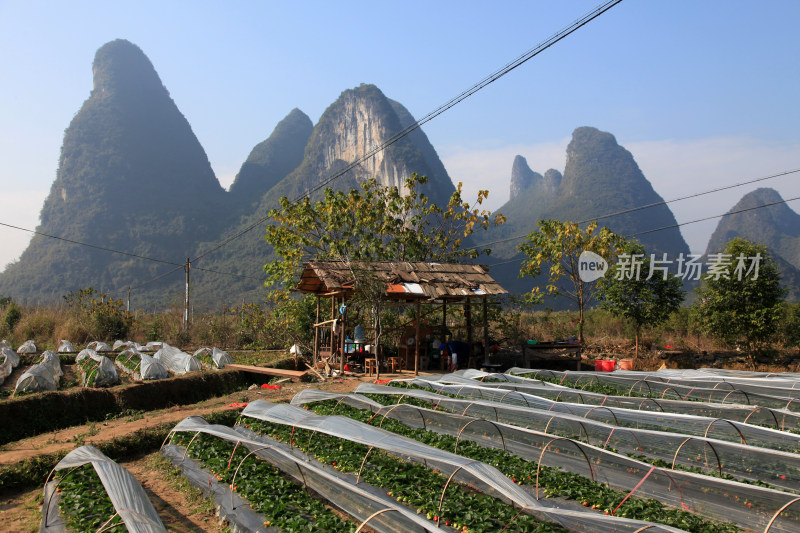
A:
663, 202
494, 76
73, 241
672, 226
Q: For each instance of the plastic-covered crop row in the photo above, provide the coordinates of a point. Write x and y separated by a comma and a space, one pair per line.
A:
689, 425
715, 498
9, 360
64, 346
712, 456
367, 505
781, 385
476, 474
777, 398
129, 499
140, 366
27, 347
43, 376
753, 414
213, 358
95, 370
177, 361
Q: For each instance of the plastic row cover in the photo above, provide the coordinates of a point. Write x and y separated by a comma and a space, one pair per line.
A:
687, 424
177, 362
713, 497
9, 360
124, 345
105, 374
780, 385
357, 501
99, 347
484, 477
778, 468
65, 347
213, 358
42, 376
727, 393
27, 347
754, 414
147, 367
127, 495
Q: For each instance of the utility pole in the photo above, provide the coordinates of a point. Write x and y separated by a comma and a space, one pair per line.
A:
129, 298
186, 299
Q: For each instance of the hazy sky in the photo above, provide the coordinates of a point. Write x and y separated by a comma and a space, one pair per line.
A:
702, 93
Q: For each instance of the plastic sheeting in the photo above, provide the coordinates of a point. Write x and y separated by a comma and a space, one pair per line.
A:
42, 376
716, 428
126, 494
9, 360
754, 414
177, 362
99, 347
713, 497
106, 373
340, 489
213, 358
154, 346
147, 367
482, 476
27, 347
65, 347
5, 344
124, 345
719, 391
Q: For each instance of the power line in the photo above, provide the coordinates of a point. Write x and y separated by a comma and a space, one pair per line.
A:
494, 76
672, 226
663, 202
129, 254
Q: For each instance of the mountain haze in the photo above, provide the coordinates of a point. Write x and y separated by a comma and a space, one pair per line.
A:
600, 178
777, 227
133, 177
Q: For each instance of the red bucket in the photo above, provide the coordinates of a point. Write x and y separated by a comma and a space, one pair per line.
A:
604, 365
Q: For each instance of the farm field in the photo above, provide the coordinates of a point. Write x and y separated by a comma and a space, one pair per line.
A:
364, 455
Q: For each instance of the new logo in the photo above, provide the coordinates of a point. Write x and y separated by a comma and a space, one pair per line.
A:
591, 266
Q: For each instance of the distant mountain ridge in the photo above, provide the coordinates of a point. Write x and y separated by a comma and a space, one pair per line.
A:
133, 177
776, 226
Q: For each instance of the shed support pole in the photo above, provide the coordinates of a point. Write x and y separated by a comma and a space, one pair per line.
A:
485, 330
316, 337
343, 336
417, 339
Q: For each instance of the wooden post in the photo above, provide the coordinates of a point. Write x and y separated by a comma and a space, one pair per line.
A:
186, 298
316, 337
343, 336
417, 340
444, 319
485, 330
468, 317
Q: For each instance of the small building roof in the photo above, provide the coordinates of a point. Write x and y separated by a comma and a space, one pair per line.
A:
404, 280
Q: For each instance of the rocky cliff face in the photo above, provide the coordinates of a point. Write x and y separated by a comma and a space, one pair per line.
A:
777, 227
358, 122
522, 177
271, 160
132, 176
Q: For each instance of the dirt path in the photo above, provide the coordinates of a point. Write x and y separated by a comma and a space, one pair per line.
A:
93, 433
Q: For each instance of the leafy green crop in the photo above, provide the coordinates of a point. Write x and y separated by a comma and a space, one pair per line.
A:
84, 504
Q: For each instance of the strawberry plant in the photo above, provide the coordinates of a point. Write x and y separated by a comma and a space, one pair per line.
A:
411, 484
555, 481
284, 503
84, 504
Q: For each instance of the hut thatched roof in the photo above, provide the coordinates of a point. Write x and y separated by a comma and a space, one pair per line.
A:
404, 280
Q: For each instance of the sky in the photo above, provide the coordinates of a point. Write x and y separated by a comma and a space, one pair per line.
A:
703, 94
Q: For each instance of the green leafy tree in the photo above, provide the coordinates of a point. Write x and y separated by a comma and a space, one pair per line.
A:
557, 246
374, 223
103, 317
635, 290
740, 299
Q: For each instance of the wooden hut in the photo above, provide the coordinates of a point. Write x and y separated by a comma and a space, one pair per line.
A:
407, 283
